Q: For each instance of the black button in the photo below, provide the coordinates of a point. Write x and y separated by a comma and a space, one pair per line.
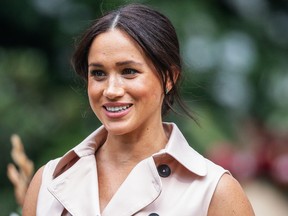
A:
164, 170
153, 214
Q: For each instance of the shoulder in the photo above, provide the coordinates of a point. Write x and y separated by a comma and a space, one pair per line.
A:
229, 199
43, 176
30, 202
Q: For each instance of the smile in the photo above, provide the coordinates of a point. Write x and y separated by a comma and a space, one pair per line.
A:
117, 108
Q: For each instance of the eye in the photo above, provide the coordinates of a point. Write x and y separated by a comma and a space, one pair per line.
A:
98, 74
129, 72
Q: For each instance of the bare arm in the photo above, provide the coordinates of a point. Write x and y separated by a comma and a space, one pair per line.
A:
229, 199
30, 202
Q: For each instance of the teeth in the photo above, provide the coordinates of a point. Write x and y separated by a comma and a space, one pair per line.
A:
117, 109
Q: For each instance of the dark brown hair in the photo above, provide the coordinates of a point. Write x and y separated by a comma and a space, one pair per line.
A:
153, 32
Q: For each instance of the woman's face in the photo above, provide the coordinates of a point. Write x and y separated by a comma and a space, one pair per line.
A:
124, 89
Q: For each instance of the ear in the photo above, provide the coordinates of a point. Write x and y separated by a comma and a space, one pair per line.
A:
175, 75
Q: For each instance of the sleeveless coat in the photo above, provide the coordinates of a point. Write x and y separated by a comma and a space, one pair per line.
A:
174, 181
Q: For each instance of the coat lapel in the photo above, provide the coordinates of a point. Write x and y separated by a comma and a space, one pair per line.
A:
141, 187
77, 188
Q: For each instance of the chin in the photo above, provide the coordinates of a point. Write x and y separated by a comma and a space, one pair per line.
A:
117, 129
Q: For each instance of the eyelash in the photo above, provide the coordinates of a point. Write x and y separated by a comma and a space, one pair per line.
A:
127, 73
96, 73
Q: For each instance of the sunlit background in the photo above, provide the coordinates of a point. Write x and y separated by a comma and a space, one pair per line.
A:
235, 79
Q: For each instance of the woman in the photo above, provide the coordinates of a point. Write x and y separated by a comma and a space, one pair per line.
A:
134, 164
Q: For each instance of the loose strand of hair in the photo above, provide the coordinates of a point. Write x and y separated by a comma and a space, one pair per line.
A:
186, 110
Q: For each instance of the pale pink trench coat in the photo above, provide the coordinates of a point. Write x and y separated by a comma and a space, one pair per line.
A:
184, 185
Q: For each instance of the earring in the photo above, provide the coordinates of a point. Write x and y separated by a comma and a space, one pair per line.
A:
166, 91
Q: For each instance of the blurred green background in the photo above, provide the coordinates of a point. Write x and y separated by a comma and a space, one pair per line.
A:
235, 79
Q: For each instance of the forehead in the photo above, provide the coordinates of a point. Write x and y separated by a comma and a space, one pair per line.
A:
115, 42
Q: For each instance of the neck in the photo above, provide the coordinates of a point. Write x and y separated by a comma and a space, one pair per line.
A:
129, 149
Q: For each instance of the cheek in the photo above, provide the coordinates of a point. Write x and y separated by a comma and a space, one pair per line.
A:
149, 92
90, 92
93, 92
92, 87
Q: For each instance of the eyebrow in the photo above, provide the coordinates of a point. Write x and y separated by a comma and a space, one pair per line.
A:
95, 65
122, 63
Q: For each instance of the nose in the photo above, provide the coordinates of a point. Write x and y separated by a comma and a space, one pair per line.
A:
114, 88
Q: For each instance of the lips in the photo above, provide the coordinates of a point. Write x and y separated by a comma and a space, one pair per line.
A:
117, 108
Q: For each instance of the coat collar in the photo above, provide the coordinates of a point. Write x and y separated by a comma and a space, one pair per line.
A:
177, 147
87, 147
181, 151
